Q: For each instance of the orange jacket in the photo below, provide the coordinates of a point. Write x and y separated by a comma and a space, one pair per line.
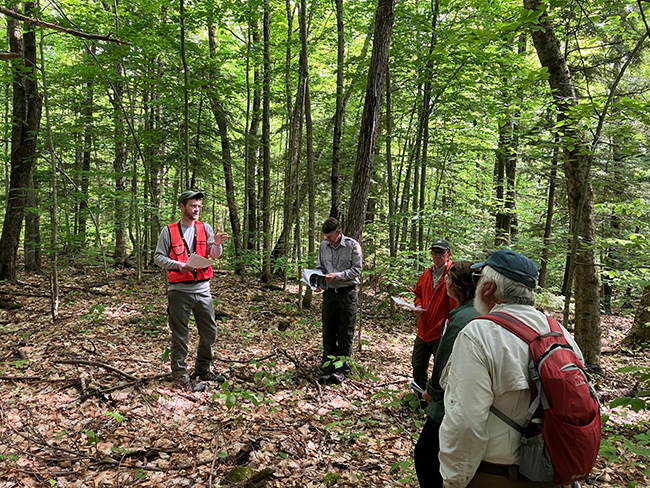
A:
179, 252
436, 302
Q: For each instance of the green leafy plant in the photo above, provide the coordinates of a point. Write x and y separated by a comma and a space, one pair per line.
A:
231, 398
116, 416
331, 479
91, 437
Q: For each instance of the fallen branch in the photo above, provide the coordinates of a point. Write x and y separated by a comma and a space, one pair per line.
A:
97, 363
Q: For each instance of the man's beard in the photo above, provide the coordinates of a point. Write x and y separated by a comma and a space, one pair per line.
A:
479, 304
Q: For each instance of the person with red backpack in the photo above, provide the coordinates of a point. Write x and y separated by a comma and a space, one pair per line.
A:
515, 379
189, 289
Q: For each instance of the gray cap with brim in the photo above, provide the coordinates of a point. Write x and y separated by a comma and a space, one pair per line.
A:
189, 195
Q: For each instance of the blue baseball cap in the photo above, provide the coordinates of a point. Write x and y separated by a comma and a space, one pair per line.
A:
513, 265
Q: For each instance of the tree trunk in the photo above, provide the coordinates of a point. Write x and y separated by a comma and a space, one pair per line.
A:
392, 244
640, 331
82, 217
226, 158
338, 113
26, 121
253, 147
54, 223
370, 118
32, 230
120, 257
577, 162
266, 145
550, 205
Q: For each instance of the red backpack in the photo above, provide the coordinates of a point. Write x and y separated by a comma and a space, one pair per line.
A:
570, 416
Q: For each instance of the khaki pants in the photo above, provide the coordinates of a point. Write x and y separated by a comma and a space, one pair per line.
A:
485, 480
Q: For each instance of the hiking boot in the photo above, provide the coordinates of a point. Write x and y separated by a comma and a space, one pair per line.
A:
324, 379
184, 382
210, 376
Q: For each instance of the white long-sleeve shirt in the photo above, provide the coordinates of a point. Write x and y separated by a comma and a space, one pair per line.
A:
488, 366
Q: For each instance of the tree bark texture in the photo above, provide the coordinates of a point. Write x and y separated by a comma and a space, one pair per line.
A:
226, 158
266, 145
640, 331
120, 256
26, 120
253, 147
32, 229
550, 207
370, 118
577, 154
338, 113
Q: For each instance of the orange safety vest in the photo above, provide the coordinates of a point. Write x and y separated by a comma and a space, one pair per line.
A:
179, 252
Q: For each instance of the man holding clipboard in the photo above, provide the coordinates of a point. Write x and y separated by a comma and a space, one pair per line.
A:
183, 250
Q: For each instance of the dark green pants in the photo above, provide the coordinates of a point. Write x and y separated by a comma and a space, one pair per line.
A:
181, 305
339, 317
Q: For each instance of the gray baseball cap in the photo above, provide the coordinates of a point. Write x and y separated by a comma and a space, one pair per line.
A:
189, 195
440, 244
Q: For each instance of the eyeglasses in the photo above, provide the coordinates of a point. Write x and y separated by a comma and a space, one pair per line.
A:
477, 274
438, 252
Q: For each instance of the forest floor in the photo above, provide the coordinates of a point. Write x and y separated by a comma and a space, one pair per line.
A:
87, 401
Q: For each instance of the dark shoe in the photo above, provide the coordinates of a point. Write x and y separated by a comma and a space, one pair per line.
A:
210, 376
336, 378
324, 379
187, 384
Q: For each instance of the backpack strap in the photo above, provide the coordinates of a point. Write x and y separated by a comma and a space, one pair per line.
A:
507, 419
524, 331
527, 334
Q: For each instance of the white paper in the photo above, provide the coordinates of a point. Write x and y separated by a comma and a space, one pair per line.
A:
408, 305
196, 261
310, 276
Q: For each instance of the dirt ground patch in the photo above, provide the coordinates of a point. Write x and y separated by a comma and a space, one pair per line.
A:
86, 400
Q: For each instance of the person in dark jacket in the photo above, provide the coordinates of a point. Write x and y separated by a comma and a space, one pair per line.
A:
461, 286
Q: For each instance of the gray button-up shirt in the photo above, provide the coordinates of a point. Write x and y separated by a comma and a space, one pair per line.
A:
345, 261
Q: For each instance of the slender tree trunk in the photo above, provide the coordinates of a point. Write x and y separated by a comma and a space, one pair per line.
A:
186, 103
370, 119
120, 256
54, 222
338, 113
266, 145
84, 178
253, 145
392, 244
226, 158
577, 163
32, 229
550, 205
26, 121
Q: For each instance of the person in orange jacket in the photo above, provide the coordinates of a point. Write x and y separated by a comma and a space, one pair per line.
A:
433, 305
